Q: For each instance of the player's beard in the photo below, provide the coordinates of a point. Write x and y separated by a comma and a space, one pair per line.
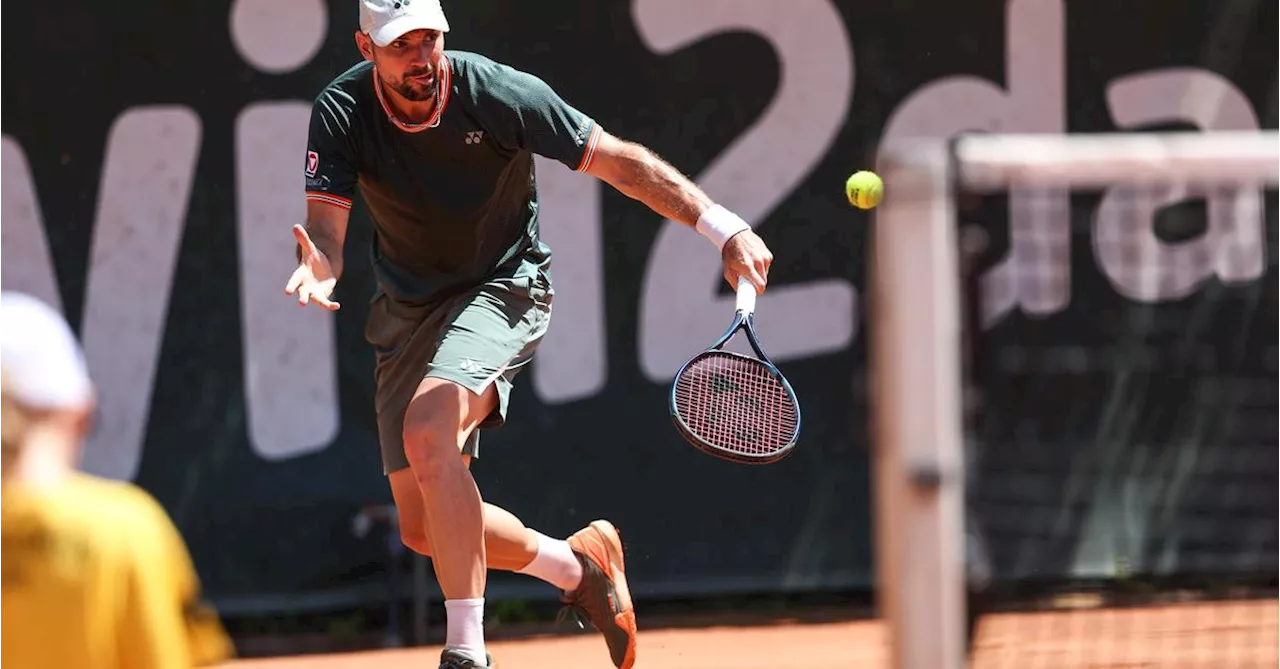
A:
415, 90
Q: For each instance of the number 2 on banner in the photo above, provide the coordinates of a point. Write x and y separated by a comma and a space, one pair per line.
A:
752, 177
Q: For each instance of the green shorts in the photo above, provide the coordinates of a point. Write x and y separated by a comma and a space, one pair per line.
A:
481, 337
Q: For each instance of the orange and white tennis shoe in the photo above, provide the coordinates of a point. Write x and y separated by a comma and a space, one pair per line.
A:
603, 596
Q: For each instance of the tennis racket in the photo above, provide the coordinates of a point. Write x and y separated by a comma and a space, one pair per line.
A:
733, 406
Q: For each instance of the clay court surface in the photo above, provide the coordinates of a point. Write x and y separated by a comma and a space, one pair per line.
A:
816, 646
1180, 636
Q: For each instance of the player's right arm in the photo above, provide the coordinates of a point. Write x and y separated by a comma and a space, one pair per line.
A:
331, 178
319, 252
326, 227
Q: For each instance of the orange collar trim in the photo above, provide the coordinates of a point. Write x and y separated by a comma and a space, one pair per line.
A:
444, 83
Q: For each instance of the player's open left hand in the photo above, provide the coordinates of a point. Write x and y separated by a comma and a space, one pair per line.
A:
745, 254
313, 281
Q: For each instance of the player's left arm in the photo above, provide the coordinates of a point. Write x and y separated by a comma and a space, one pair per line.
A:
639, 173
546, 124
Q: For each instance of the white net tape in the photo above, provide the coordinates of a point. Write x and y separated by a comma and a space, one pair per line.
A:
1082, 160
916, 357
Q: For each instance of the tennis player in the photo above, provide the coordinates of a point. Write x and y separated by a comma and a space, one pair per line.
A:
95, 576
440, 144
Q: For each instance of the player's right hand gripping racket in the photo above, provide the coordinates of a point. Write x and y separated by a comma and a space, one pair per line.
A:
733, 406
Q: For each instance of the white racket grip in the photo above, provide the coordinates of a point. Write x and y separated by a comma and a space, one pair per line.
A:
746, 296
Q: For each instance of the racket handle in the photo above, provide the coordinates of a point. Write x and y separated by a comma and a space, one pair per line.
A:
746, 296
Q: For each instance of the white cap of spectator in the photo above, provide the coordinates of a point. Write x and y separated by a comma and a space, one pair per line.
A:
41, 359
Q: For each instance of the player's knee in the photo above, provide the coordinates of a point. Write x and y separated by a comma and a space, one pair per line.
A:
431, 442
437, 422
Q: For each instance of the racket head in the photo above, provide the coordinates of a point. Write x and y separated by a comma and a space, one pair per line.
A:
735, 407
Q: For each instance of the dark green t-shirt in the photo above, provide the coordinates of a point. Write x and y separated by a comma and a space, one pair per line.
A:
454, 200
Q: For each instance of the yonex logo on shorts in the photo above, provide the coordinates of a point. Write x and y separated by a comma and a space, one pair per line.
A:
474, 137
313, 163
469, 365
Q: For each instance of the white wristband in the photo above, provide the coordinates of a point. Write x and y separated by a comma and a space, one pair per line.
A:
719, 224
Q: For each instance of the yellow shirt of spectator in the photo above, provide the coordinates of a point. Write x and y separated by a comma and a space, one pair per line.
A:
95, 576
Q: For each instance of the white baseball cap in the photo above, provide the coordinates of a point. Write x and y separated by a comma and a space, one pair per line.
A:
42, 362
385, 20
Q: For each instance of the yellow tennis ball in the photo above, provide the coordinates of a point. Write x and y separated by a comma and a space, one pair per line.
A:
864, 189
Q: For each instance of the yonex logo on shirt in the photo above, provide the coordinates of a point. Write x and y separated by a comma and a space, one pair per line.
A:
474, 137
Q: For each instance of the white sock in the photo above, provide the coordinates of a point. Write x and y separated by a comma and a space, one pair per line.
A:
465, 631
555, 563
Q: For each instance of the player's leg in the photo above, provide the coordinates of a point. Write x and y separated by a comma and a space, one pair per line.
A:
436, 424
483, 342
405, 338
509, 544
491, 341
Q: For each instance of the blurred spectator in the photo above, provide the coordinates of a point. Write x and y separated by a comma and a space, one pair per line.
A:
95, 575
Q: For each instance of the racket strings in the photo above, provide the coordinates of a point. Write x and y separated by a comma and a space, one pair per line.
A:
736, 403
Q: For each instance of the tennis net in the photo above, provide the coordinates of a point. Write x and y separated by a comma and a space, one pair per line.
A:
1076, 400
